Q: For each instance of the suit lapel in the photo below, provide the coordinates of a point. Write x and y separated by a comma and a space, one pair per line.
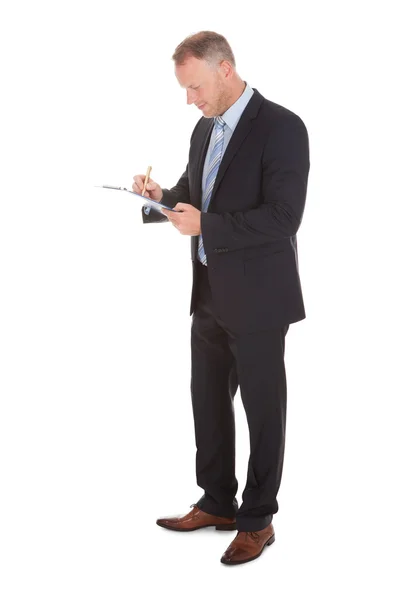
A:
242, 130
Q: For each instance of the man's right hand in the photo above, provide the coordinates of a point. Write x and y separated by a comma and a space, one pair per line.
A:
153, 190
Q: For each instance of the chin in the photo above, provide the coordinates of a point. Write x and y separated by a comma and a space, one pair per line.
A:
209, 114
206, 111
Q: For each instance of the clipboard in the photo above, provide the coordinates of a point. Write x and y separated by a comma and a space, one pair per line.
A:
148, 203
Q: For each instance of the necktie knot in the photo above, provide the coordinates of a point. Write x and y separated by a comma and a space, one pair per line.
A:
219, 122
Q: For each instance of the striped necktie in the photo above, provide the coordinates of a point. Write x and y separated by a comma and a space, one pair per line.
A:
213, 166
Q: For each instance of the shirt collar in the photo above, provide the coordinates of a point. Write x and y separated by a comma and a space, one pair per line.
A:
234, 112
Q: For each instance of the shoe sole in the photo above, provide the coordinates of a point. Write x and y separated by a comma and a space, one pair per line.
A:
241, 562
229, 527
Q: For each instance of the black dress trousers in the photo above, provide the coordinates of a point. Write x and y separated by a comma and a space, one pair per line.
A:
222, 360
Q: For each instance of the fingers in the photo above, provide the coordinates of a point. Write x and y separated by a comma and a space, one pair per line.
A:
167, 213
174, 219
153, 190
176, 225
171, 217
150, 187
137, 185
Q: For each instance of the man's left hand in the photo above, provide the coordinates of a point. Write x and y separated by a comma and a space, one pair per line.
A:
187, 221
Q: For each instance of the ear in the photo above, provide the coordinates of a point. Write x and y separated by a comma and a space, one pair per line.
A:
226, 68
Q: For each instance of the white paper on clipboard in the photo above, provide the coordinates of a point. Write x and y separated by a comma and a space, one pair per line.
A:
147, 202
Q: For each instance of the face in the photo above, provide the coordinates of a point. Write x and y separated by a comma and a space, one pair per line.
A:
207, 87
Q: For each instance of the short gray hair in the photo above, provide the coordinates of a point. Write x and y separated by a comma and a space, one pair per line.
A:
205, 45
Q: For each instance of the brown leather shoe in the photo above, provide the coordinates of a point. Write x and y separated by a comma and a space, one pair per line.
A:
248, 545
197, 519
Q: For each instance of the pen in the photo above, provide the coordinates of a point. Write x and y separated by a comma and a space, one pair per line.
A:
146, 180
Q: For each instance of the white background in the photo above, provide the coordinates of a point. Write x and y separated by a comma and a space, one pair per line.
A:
96, 432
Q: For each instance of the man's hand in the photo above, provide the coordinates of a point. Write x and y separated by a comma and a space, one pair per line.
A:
187, 221
153, 190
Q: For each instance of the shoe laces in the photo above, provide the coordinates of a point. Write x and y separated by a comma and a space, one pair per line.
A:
254, 536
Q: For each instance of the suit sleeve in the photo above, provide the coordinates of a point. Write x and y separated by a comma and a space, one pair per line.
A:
179, 193
285, 167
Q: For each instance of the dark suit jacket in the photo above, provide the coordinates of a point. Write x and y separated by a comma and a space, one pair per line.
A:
249, 230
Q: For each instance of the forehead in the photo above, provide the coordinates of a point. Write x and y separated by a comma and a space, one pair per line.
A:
192, 71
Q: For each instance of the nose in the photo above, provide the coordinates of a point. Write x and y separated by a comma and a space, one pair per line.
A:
189, 96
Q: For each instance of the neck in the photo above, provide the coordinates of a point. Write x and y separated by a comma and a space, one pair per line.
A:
237, 90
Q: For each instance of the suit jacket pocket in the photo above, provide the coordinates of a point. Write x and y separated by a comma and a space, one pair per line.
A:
261, 264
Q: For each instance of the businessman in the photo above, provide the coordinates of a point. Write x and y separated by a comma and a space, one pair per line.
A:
241, 199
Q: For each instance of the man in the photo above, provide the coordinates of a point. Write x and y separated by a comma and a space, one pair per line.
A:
241, 198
